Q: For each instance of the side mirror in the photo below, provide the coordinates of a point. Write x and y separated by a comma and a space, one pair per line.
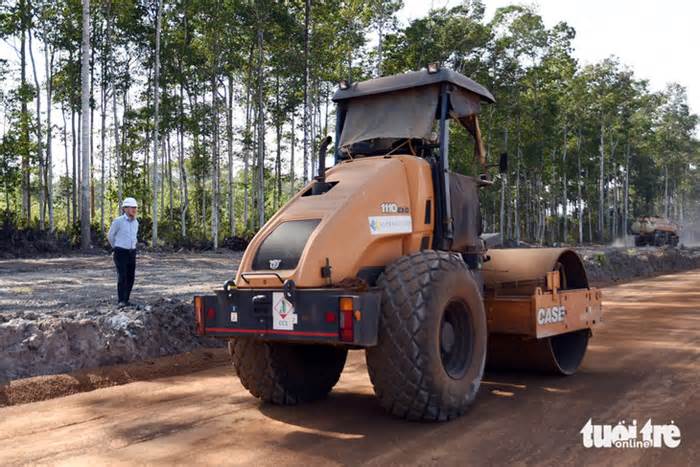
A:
503, 163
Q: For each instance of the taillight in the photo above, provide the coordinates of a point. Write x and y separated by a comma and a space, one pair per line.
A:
199, 315
346, 319
330, 317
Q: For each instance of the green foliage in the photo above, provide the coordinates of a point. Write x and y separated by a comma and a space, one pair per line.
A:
601, 259
566, 127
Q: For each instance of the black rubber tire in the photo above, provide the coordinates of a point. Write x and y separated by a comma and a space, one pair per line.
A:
287, 374
406, 367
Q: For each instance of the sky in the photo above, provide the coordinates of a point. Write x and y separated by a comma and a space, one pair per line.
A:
659, 40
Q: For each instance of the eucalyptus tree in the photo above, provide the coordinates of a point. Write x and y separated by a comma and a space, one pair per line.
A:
156, 122
85, 128
15, 20
674, 133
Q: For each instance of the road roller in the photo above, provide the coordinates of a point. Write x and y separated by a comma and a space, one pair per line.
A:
383, 252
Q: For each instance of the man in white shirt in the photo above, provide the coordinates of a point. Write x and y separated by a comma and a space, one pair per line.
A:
122, 237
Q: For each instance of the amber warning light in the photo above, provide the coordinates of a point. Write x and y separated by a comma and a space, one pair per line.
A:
199, 315
346, 319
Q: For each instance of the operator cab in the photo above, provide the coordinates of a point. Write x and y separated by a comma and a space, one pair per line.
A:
410, 113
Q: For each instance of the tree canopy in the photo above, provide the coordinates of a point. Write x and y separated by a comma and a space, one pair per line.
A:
210, 114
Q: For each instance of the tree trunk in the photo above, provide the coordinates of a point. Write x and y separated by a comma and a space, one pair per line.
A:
589, 197
291, 160
148, 139
85, 130
601, 186
48, 64
79, 164
65, 147
504, 182
380, 39
92, 125
24, 120
516, 206
248, 143
39, 142
579, 200
214, 159
625, 215
612, 192
564, 195
553, 200
156, 123
170, 179
163, 174
666, 199
306, 123
184, 201
117, 154
124, 134
74, 149
261, 132
313, 169
103, 132
278, 158
229, 137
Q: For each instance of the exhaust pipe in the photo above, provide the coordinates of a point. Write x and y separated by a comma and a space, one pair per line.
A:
320, 186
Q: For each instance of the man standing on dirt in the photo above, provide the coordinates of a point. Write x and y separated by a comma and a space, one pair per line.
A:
122, 237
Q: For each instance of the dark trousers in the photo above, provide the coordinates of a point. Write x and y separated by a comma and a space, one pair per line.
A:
125, 260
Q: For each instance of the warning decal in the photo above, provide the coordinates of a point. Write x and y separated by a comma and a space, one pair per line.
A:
283, 315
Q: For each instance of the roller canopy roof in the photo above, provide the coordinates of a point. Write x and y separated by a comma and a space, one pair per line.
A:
412, 79
405, 106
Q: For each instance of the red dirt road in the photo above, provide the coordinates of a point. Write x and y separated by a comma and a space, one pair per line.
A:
643, 363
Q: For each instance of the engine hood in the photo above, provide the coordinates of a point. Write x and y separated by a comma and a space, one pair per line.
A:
367, 219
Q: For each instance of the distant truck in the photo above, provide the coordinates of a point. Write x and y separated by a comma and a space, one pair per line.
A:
657, 231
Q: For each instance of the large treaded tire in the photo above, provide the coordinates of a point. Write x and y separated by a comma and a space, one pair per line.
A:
406, 367
286, 374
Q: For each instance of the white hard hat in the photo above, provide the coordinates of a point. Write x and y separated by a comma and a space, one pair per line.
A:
129, 203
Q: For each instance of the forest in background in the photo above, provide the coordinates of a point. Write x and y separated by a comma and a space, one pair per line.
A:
210, 114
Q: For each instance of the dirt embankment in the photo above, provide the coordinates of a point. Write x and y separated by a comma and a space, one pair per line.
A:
59, 315
88, 339
611, 265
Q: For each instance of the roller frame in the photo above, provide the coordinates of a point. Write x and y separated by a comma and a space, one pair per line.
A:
522, 315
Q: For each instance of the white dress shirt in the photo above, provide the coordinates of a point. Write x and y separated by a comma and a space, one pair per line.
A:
122, 233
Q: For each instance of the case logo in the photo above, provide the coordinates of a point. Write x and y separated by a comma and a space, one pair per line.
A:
555, 314
275, 263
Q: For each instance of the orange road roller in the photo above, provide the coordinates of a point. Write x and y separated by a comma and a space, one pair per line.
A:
383, 251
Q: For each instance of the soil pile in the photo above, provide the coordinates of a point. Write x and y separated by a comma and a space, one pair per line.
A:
37, 344
610, 265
